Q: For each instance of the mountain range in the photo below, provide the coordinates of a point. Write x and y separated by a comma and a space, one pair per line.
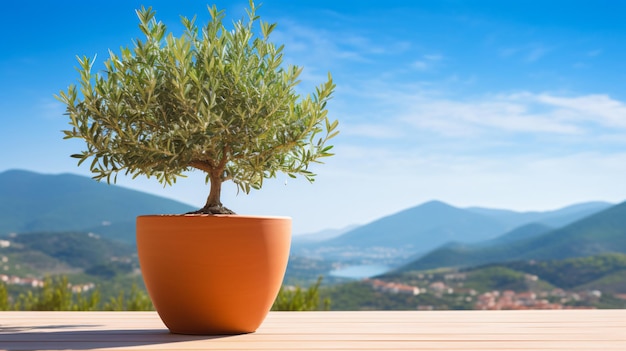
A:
429, 235
598, 233
409, 234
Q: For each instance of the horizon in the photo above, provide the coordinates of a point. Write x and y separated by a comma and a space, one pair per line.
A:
513, 105
357, 225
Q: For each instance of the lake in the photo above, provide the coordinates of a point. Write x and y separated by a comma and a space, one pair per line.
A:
360, 271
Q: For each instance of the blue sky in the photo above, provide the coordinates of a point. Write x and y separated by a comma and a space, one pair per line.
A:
504, 104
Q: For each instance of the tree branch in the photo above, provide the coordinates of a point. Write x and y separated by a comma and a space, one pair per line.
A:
205, 166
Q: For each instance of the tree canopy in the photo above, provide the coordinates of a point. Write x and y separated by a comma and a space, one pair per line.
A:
217, 100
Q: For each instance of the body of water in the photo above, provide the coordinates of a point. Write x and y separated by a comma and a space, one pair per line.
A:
360, 271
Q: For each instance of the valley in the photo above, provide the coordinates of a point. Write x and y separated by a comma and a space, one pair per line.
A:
555, 284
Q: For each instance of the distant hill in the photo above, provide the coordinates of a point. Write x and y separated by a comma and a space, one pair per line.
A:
321, 235
524, 232
599, 233
33, 202
555, 218
423, 227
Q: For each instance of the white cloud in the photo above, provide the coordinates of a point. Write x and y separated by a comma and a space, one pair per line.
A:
514, 114
449, 117
520, 151
596, 108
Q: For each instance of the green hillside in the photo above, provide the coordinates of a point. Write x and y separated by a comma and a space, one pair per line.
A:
612, 282
593, 281
499, 277
524, 232
575, 272
81, 258
73, 248
33, 202
502, 248
40, 254
603, 272
599, 233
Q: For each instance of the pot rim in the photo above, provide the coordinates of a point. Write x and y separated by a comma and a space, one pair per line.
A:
202, 215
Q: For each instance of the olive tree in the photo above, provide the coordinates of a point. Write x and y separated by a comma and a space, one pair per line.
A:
217, 100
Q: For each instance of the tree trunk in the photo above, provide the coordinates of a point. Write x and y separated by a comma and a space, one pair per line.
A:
214, 199
213, 203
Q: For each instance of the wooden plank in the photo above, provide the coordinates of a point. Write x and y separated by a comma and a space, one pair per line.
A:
379, 330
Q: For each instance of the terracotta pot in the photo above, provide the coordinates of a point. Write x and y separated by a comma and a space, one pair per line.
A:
213, 274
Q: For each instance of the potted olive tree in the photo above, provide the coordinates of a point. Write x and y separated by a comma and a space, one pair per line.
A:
216, 100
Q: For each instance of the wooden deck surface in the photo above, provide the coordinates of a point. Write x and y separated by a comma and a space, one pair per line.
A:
382, 330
